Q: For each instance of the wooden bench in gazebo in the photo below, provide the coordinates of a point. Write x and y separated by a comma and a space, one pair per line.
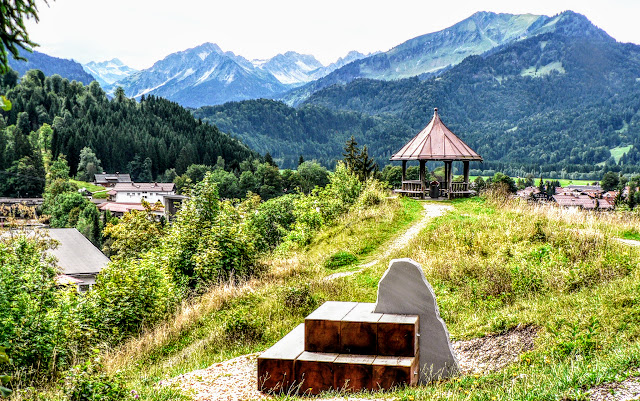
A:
436, 143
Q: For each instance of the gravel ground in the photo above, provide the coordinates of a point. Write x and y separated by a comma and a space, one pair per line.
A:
624, 391
494, 352
236, 379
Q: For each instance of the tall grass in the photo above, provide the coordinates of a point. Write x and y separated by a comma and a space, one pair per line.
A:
232, 319
494, 263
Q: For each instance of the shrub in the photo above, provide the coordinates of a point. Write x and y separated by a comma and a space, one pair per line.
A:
239, 327
38, 320
209, 240
373, 194
340, 259
130, 294
271, 221
299, 298
89, 382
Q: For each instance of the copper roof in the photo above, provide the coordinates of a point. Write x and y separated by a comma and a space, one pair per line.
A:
436, 142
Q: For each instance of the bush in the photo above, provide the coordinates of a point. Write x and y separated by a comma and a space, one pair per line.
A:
373, 194
209, 240
89, 382
271, 221
38, 320
299, 298
239, 328
340, 259
130, 294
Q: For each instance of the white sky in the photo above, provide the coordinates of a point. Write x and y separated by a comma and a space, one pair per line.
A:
140, 32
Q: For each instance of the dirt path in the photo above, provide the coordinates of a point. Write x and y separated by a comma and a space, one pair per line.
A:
431, 210
630, 242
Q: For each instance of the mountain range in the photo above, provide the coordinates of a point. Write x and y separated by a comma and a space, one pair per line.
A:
564, 100
206, 75
108, 72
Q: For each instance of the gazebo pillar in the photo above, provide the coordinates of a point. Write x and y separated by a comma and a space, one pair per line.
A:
422, 174
465, 164
404, 170
448, 174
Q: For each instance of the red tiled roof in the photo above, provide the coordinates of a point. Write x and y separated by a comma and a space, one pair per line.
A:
436, 142
582, 201
115, 207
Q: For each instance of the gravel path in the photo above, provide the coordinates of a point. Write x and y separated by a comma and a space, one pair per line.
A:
624, 391
431, 210
236, 379
631, 242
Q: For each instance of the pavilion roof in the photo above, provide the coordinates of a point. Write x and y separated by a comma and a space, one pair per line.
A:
436, 142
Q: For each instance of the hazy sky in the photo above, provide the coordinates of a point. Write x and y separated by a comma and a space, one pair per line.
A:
140, 32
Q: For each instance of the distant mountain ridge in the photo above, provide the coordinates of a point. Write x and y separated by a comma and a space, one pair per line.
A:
206, 75
108, 72
50, 65
431, 54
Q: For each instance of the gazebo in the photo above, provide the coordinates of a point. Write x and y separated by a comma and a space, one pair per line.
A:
436, 142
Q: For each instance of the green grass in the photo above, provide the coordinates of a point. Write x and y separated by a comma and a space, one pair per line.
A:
99, 192
493, 264
619, 151
252, 317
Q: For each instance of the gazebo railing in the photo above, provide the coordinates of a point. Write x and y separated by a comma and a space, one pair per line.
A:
415, 187
412, 186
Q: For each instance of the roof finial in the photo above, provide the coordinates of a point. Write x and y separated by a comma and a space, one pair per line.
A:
435, 111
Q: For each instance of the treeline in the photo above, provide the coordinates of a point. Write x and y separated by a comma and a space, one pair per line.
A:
61, 117
316, 132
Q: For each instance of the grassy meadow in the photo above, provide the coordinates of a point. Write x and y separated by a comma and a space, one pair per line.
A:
494, 265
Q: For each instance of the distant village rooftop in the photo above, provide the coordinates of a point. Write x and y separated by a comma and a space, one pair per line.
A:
111, 179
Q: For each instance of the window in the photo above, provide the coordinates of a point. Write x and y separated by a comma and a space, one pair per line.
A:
83, 287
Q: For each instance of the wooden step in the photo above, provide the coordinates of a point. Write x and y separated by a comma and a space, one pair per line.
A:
391, 371
322, 327
315, 372
353, 328
359, 330
353, 372
398, 335
276, 370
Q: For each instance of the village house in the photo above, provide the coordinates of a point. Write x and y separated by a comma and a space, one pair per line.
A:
78, 259
131, 192
110, 180
581, 201
125, 197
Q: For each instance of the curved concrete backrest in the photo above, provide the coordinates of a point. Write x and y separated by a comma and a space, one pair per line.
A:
404, 290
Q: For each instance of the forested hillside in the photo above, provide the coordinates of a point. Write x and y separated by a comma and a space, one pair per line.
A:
53, 114
562, 100
311, 131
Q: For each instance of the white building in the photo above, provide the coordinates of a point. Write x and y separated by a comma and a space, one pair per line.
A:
151, 192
